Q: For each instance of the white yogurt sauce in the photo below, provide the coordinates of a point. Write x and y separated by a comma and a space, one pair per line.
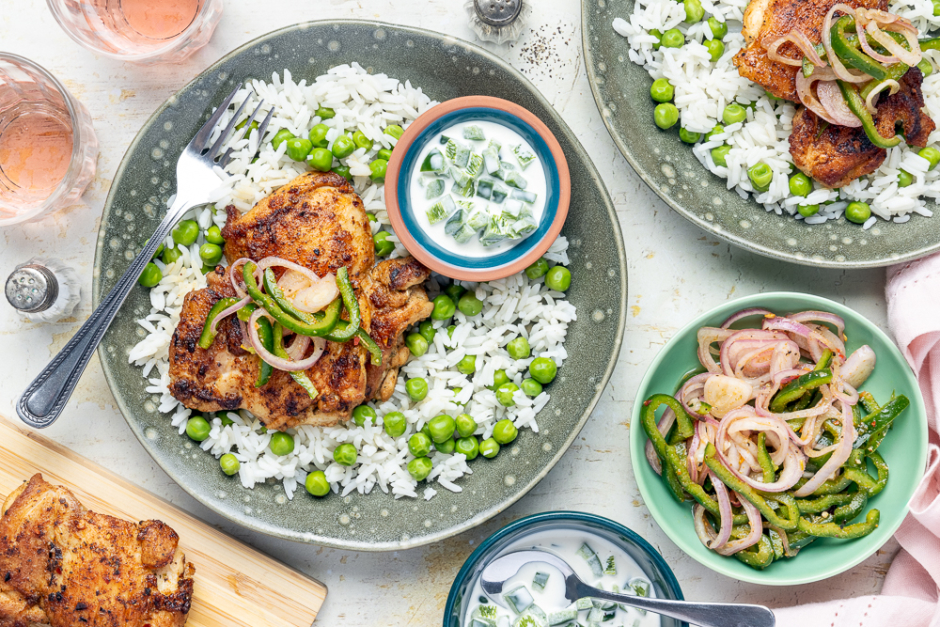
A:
565, 543
507, 138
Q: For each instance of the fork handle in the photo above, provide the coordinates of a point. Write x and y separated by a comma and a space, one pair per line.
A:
701, 614
46, 397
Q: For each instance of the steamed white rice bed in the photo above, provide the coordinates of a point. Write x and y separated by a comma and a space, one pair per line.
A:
704, 88
511, 307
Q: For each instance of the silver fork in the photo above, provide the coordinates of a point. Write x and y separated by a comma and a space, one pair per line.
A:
46, 397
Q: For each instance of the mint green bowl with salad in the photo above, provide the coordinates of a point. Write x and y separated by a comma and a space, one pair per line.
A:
783, 462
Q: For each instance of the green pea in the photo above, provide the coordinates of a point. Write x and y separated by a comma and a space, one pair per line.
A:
211, 254
345, 454
394, 130
298, 149
558, 279
857, 212
719, 129
925, 67
427, 330
426, 431
420, 468
214, 235
538, 269
665, 115
362, 414
689, 137
905, 178
385, 153
316, 483
197, 428
455, 291
468, 446
661, 90
382, 245
771, 97
720, 155
693, 11
343, 146
761, 175
499, 377
419, 444
504, 432
467, 365
543, 370
229, 464
450, 330
718, 29
417, 389
377, 169
715, 48
317, 135
151, 275
489, 448
158, 251
444, 308
281, 444
531, 387
932, 155
658, 34
343, 171
672, 38
186, 233
325, 113
469, 305
466, 425
362, 141
226, 421
371, 217
280, 137
416, 344
733, 114
936, 7
320, 159
171, 254
446, 447
504, 394
808, 210
518, 348
395, 423
800, 184
441, 428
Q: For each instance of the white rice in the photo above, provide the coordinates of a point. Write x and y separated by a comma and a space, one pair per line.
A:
512, 307
703, 88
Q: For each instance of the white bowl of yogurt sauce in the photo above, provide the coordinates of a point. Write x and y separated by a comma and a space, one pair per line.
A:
603, 553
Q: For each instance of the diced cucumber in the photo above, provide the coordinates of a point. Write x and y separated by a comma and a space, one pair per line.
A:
482, 622
539, 580
475, 165
504, 168
434, 189
512, 208
519, 599
596, 615
584, 604
441, 209
640, 587
524, 196
504, 621
523, 226
611, 568
500, 193
465, 234
460, 176
534, 616
478, 219
474, 133
458, 154
455, 221
523, 155
464, 191
485, 189
493, 233
491, 157
444, 139
434, 162
486, 611
562, 616
588, 554
515, 179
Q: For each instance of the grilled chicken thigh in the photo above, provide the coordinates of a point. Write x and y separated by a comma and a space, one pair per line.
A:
63, 565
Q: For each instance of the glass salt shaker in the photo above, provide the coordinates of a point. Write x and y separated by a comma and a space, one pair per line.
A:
43, 290
498, 21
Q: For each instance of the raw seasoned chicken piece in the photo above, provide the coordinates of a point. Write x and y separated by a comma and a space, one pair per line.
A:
767, 20
63, 565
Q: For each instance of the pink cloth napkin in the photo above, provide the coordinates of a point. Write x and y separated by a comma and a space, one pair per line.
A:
911, 593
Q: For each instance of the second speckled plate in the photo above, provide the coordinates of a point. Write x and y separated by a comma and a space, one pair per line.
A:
621, 90
445, 68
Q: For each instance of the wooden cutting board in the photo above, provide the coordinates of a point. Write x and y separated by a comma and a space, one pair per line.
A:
234, 583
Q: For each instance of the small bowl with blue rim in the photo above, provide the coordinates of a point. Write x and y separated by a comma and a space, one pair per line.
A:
445, 257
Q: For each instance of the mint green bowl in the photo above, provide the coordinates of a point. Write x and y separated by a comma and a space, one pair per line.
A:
905, 448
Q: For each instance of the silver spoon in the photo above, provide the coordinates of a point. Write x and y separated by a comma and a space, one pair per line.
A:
500, 570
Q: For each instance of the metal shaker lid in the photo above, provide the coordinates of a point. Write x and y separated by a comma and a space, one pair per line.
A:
32, 288
498, 13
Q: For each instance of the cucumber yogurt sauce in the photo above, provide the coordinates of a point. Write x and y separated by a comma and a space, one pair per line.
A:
479, 188
537, 592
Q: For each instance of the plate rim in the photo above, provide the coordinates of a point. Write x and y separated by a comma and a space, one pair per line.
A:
311, 537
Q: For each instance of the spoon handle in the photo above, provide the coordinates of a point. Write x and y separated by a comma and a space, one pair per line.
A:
701, 614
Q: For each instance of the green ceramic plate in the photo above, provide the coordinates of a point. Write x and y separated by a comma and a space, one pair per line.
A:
905, 448
621, 90
445, 68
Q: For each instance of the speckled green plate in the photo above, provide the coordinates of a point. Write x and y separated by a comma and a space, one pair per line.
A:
445, 68
621, 90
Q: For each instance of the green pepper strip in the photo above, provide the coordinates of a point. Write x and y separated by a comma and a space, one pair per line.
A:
893, 73
659, 444
776, 543
882, 419
834, 530
857, 105
758, 557
865, 481
930, 44
675, 457
798, 387
823, 503
763, 458
851, 55
798, 540
684, 428
824, 360
280, 316
868, 402
207, 337
244, 314
266, 335
326, 319
352, 308
848, 512
300, 377
758, 499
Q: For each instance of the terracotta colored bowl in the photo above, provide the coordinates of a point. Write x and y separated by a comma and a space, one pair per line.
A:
440, 257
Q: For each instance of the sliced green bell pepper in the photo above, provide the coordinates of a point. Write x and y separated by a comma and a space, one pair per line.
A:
207, 337
857, 105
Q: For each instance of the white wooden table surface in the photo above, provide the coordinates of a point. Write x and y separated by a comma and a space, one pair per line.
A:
675, 272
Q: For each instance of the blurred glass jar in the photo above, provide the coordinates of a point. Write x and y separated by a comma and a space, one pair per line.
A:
140, 31
48, 148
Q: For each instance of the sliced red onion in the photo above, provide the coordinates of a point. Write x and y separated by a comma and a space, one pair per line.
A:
862, 18
782, 323
806, 94
744, 313
275, 361
228, 311
839, 456
872, 98
832, 100
665, 423
706, 337
820, 316
690, 457
793, 462
834, 62
694, 385
235, 276
894, 23
798, 39
726, 516
298, 347
753, 537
